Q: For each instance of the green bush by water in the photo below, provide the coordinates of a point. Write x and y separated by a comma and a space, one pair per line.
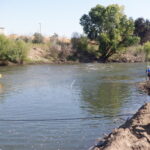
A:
12, 50
147, 50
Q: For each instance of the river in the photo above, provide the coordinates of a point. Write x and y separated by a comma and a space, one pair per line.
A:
65, 107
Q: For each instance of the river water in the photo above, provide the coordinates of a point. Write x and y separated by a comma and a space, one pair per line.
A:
65, 107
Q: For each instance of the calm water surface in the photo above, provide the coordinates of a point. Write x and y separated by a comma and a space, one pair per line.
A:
43, 101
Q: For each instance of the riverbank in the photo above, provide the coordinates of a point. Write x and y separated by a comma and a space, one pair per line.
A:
145, 87
129, 55
19, 50
43, 54
134, 134
39, 55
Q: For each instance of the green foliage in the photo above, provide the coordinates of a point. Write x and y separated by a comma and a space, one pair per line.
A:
83, 50
19, 52
80, 44
147, 48
132, 40
26, 39
38, 38
142, 29
110, 27
14, 51
132, 54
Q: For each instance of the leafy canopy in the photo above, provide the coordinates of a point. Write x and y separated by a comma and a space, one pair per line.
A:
142, 29
110, 27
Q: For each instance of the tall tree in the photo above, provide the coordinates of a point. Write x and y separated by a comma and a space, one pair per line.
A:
110, 27
142, 29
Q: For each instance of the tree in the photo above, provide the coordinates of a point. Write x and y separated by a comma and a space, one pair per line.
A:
38, 38
142, 29
110, 28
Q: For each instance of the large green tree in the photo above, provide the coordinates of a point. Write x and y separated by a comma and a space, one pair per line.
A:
110, 27
142, 29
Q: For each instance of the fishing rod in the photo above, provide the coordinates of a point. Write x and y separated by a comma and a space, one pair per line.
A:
67, 119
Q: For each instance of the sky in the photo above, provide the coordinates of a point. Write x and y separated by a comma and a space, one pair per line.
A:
58, 16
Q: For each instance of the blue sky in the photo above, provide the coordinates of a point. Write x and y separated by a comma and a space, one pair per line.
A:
58, 16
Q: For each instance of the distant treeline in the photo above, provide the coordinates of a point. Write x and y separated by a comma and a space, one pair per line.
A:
108, 31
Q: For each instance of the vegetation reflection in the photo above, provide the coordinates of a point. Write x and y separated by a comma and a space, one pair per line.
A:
106, 98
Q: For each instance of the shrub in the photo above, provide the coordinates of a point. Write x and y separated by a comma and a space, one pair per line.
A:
65, 52
19, 52
26, 39
14, 51
38, 38
84, 49
147, 50
147, 47
58, 51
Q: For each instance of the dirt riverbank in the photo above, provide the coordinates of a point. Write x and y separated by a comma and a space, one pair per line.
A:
40, 54
145, 87
134, 134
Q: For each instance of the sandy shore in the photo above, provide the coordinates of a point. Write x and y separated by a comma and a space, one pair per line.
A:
134, 134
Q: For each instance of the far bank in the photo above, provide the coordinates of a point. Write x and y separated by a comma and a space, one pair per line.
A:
23, 50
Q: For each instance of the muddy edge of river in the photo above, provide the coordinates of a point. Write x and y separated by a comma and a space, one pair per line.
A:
134, 133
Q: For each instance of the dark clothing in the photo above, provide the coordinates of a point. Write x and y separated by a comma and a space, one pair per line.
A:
148, 70
148, 73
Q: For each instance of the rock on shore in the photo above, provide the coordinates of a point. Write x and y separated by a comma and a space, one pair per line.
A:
133, 135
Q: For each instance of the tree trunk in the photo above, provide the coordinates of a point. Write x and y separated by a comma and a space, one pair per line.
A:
106, 54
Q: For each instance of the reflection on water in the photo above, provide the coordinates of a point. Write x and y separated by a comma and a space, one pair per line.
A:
116, 78
2, 91
65, 91
106, 97
1, 88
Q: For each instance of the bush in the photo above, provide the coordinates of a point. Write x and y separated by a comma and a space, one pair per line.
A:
65, 52
147, 50
84, 49
38, 38
26, 39
19, 52
58, 51
147, 47
14, 51
132, 40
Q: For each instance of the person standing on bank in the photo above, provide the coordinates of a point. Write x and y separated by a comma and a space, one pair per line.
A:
148, 72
